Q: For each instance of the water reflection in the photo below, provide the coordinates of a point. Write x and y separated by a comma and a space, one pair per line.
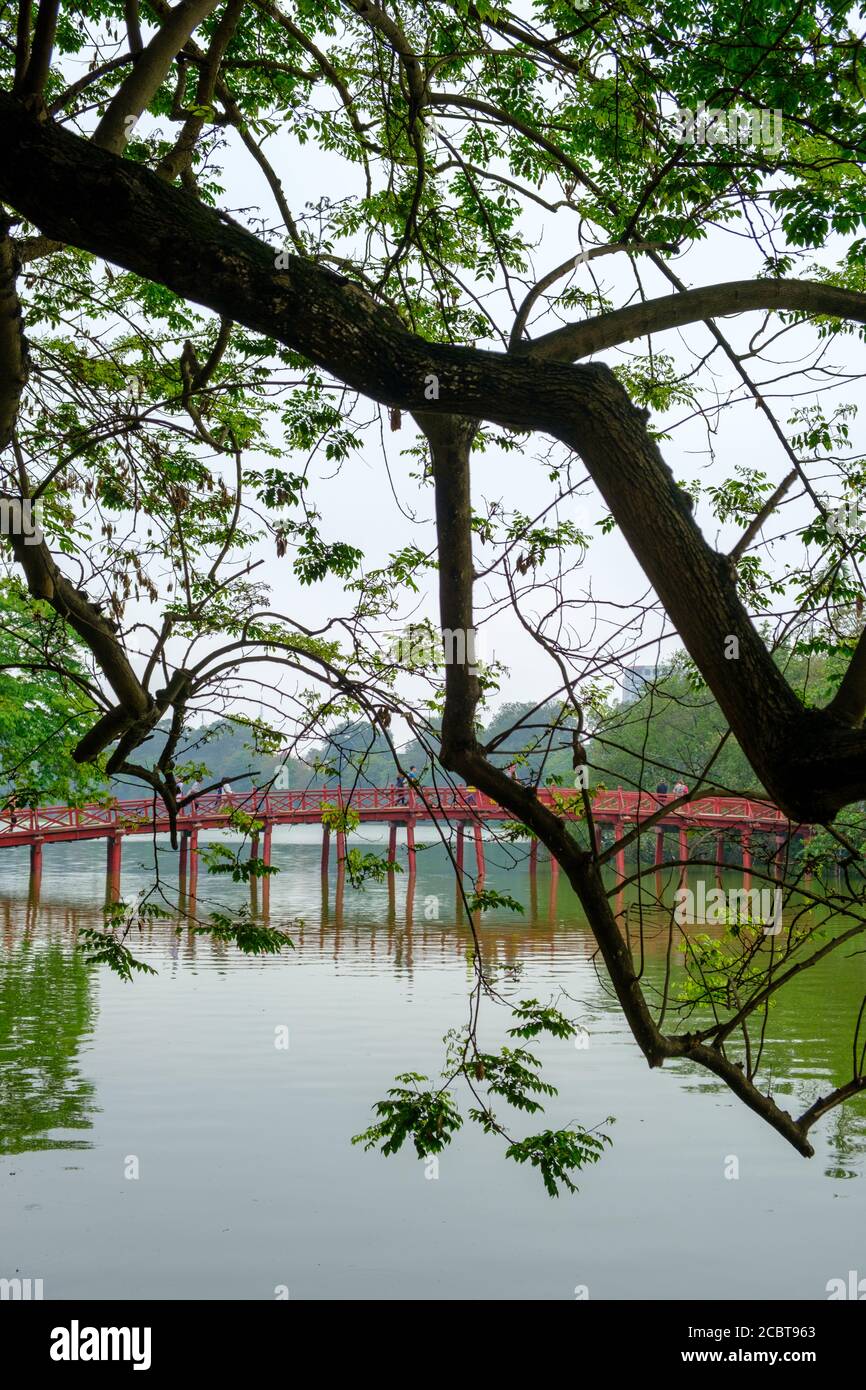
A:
47, 1011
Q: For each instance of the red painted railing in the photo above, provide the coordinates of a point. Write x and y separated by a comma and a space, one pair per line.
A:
143, 815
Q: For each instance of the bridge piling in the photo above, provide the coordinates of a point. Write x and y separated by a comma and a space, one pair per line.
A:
326, 850
254, 883
35, 869
266, 860
193, 865
183, 859
461, 830
660, 848
112, 868
392, 846
720, 858
479, 857
746, 842
410, 847
533, 858
683, 849
618, 832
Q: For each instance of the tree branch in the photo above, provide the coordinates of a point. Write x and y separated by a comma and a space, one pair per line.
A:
13, 347
32, 84
576, 340
138, 87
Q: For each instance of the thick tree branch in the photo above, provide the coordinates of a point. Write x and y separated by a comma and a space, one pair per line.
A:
632, 247
849, 702
180, 157
138, 87
32, 83
450, 441
13, 348
576, 340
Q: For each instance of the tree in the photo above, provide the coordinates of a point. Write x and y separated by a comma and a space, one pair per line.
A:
465, 133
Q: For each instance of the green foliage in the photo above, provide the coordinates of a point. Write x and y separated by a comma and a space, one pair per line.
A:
557, 1153
44, 709
484, 899
428, 1117
222, 859
239, 929
367, 867
342, 819
103, 948
538, 1018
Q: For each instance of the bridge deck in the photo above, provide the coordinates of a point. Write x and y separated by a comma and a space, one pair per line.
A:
144, 816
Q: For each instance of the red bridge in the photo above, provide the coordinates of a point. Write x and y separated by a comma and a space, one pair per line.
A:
391, 805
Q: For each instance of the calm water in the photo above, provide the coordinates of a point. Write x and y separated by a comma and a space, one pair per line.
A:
247, 1179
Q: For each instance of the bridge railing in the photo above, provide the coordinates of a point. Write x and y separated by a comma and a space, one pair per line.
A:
615, 804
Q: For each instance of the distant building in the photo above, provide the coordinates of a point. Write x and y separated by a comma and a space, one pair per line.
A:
635, 681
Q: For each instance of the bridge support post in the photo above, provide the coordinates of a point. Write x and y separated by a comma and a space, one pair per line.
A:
112, 868
326, 850
720, 857
683, 848
554, 885
410, 846
618, 832
533, 857
805, 839
341, 851
182, 862
193, 865
392, 846
266, 859
461, 831
746, 841
660, 849
480, 866
35, 869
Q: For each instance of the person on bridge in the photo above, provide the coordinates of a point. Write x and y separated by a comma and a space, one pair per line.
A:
401, 790
680, 789
662, 789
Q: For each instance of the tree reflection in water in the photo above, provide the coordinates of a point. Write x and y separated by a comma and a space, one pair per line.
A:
47, 1010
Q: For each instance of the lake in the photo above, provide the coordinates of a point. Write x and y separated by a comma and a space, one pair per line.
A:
155, 1142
